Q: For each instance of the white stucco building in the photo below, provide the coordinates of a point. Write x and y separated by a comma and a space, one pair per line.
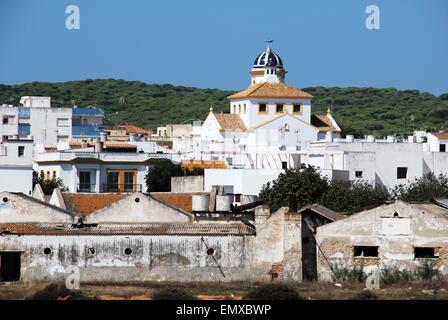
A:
16, 165
383, 162
267, 121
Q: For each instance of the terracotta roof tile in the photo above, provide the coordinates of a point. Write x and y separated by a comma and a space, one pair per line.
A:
181, 201
440, 135
203, 164
230, 122
85, 203
271, 90
322, 122
133, 129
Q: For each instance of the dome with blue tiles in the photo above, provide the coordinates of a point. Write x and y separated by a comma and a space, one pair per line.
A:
268, 58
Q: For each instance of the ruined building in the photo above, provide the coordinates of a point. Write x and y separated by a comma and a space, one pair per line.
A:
138, 237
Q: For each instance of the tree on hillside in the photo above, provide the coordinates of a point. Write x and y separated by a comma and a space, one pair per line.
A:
424, 188
158, 177
306, 185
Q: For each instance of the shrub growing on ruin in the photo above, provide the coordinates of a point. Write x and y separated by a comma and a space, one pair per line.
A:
392, 274
56, 291
341, 273
365, 295
273, 291
172, 293
427, 270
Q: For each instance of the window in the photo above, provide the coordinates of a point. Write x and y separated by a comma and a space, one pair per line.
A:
3, 150
121, 181
296, 108
365, 251
442, 147
262, 108
424, 253
284, 165
21, 151
402, 172
62, 138
8, 119
244, 108
358, 174
63, 122
237, 197
84, 181
279, 108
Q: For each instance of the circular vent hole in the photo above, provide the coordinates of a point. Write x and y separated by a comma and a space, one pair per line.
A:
5, 199
210, 251
395, 214
47, 251
137, 200
91, 251
128, 251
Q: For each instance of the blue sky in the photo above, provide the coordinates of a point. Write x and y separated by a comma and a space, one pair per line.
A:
212, 44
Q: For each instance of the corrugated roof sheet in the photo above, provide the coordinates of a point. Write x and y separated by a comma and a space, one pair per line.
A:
324, 211
442, 202
218, 229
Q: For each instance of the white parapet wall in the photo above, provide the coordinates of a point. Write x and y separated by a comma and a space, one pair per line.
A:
239, 181
187, 184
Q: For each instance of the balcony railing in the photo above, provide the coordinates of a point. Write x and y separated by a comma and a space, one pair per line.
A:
125, 187
85, 187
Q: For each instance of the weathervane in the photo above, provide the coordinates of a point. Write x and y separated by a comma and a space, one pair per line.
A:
269, 42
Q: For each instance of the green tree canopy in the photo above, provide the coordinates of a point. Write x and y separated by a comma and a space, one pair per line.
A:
158, 177
424, 188
306, 185
309, 187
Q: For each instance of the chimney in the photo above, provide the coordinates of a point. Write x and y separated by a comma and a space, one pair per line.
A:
371, 138
99, 146
292, 203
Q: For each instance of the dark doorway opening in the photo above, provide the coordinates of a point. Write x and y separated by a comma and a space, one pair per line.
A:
9, 266
310, 221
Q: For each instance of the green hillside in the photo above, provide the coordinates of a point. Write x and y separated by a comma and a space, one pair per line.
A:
357, 110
